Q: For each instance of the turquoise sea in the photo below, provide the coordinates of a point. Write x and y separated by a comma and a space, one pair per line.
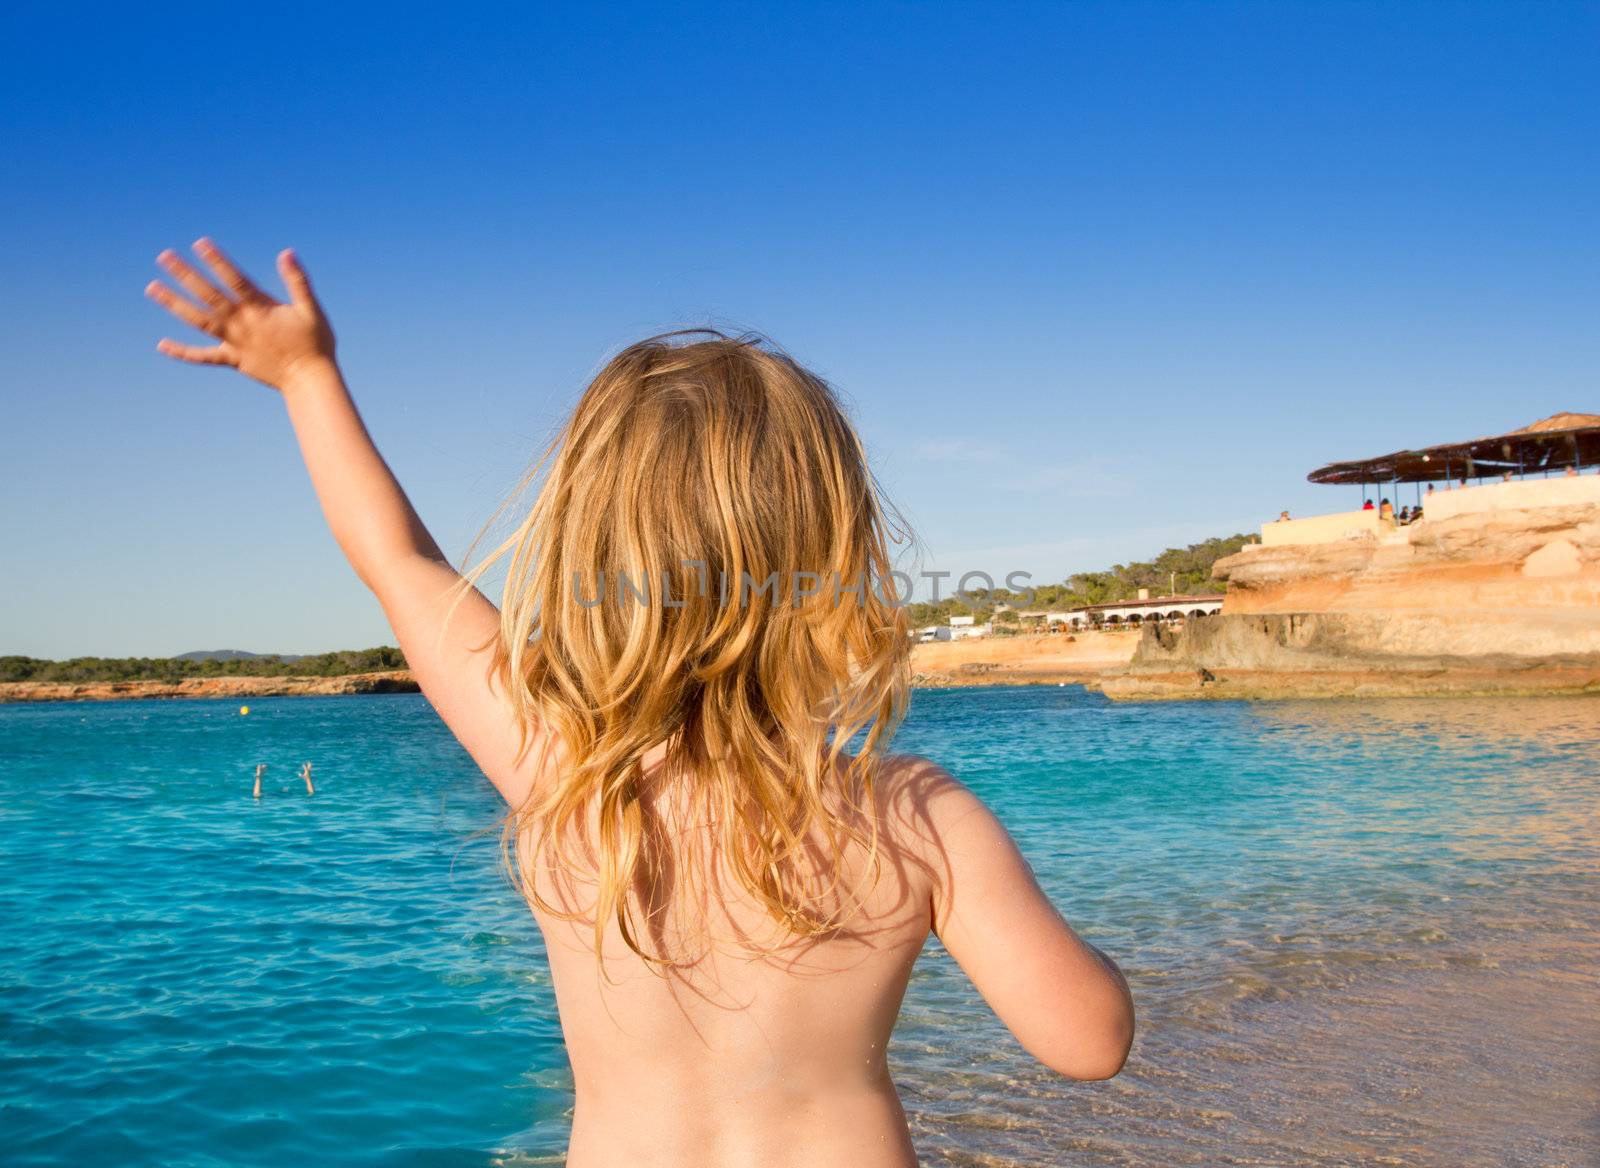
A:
1358, 933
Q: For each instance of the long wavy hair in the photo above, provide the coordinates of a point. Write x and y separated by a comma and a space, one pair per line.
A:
707, 568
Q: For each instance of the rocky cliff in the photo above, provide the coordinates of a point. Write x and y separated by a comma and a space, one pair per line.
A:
1494, 597
1530, 558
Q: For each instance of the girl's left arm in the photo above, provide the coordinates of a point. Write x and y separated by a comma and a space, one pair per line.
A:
290, 347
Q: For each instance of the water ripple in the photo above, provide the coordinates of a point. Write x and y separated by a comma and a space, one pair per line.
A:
1358, 933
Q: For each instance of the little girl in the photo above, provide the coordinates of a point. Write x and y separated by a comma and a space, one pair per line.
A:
698, 618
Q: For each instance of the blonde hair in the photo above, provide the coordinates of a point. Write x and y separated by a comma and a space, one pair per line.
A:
640, 608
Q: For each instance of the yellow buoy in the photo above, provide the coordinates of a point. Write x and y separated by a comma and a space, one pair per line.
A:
244, 709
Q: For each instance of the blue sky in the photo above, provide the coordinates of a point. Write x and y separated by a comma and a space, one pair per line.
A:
1095, 279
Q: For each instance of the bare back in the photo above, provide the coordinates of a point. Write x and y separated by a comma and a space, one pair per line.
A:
746, 1057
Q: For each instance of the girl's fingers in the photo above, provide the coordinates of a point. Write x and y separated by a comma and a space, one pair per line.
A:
181, 308
198, 354
298, 283
229, 275
193, 282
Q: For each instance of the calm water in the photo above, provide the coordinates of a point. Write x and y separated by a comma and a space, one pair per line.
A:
1359, 933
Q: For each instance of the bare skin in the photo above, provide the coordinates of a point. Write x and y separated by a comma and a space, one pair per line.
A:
728, 1060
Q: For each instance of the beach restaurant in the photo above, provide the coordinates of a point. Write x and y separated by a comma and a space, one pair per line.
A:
1554, 462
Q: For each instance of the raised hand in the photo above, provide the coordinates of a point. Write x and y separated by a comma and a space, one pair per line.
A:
443, 628
276, 343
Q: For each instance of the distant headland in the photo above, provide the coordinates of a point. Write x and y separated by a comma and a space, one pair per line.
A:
218, 673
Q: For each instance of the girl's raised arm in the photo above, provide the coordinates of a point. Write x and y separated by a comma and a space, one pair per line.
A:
290, 347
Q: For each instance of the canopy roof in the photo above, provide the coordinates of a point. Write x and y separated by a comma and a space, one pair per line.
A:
1559, 441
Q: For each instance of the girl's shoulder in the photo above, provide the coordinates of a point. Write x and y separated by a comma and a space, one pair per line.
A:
922, 802
912, 776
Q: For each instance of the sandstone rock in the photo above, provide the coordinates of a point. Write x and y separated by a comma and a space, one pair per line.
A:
1559, 557
1531, 558
1366, 654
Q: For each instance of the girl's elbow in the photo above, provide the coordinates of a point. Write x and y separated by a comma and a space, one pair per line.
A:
1095, 1053
1094, 1066
1104, 1063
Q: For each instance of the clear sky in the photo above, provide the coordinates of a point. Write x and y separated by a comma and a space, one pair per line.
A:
1096, 279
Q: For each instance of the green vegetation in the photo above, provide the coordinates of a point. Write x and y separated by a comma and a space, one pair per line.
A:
175, 669
1185, 570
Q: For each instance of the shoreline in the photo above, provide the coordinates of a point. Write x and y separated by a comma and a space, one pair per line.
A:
1025, 659
1263, 685
1104, 662
1289, 656
241, 686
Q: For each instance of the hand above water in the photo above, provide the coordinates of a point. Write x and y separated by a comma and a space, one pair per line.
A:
443, 625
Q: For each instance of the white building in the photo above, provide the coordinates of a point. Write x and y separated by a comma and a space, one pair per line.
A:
1118, 614
959, 629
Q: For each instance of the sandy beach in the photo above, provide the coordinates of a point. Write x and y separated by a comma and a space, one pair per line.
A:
1033, 659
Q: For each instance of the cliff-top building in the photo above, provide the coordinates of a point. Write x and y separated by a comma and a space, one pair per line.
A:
1495, 587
